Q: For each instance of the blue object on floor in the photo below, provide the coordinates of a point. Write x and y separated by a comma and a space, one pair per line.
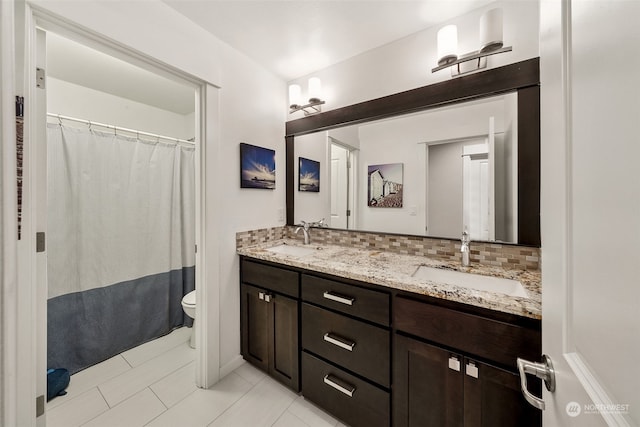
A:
57, 382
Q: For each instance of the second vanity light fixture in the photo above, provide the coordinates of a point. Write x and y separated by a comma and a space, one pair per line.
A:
490, 44
315, 101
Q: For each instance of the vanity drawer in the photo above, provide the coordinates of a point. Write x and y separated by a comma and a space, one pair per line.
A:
356, 301
273, 278
354, 401
481, 336
355, 345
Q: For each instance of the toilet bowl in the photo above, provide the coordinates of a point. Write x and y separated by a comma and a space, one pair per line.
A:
189, 307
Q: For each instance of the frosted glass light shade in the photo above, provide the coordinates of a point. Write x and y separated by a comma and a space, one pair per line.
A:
315, 89
295, 95
447, 44
491, 30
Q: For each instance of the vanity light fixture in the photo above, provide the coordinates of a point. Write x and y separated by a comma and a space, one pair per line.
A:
490, 44
315, 101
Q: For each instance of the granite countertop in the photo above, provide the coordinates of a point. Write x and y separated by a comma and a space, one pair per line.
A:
395, 271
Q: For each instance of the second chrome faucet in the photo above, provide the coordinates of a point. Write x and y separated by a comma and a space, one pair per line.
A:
464, 248
305, 226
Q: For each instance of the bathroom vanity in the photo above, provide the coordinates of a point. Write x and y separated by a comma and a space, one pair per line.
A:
390, 328
357, 333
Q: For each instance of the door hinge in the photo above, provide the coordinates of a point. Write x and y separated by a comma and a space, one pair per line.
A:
196, 248
40, 78
39, 405
40, 241
348, 212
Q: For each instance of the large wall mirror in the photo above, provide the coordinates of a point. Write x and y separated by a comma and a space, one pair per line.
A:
462, 155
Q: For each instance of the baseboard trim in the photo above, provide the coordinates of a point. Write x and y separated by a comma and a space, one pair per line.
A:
231, 366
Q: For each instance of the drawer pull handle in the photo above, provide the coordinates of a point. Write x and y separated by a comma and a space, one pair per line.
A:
342, 389
340, 342
338, 298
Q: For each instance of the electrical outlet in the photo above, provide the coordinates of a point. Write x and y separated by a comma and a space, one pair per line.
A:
281, 214
413, 210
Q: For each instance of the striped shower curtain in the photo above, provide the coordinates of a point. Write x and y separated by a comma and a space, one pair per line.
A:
121, 242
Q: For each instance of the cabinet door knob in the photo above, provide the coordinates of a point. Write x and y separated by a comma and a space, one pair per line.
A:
454, 363
267, 297
471, 369
338, 341
344, 388
544, 371
338, 298
261, 296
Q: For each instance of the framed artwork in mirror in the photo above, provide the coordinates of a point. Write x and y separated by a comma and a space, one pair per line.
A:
384, 184
257, 167
308, 175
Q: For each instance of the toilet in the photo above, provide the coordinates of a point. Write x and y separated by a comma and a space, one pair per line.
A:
189, 307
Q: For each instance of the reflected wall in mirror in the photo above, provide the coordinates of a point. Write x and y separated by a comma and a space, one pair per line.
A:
460, 172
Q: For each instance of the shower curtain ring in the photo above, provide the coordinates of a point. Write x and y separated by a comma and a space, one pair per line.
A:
59, 120
89, 124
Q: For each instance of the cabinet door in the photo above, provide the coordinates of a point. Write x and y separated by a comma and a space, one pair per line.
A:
283, 339
492, 397
254, 326
428, 385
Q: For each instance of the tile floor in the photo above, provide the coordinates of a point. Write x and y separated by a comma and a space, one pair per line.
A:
153, 385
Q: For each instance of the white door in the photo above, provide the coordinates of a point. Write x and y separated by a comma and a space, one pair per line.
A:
478, 189
339, 186
590, 110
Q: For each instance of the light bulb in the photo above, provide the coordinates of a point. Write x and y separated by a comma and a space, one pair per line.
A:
491, 30
315, 89
295, 95
447, 44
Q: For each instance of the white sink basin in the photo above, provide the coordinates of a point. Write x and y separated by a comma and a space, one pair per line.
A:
472, 281
296, 251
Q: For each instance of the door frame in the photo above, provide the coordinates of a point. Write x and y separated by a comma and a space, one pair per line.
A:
30, 317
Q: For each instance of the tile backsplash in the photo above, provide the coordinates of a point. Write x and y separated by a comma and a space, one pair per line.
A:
495, 254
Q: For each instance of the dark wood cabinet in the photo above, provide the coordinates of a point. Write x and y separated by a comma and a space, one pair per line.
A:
373, 357
269, 328
426, 391
437, 383
494, 398
346, 349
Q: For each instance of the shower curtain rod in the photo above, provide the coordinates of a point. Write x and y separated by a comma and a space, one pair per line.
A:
60, 117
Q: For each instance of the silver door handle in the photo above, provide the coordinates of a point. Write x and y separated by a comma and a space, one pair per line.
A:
340, 342
544, 371
338, 298
261, 296
267, 297
348, 391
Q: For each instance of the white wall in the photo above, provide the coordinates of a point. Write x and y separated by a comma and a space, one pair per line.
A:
250, 110
69, 99
406, 64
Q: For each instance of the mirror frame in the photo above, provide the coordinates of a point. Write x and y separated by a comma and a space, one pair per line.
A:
521, 77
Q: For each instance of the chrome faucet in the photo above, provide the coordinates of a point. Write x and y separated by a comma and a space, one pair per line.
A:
305, 226
464, 248
305, 229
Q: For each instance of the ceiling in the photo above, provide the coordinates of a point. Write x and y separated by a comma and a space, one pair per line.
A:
293, 38
76, 63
